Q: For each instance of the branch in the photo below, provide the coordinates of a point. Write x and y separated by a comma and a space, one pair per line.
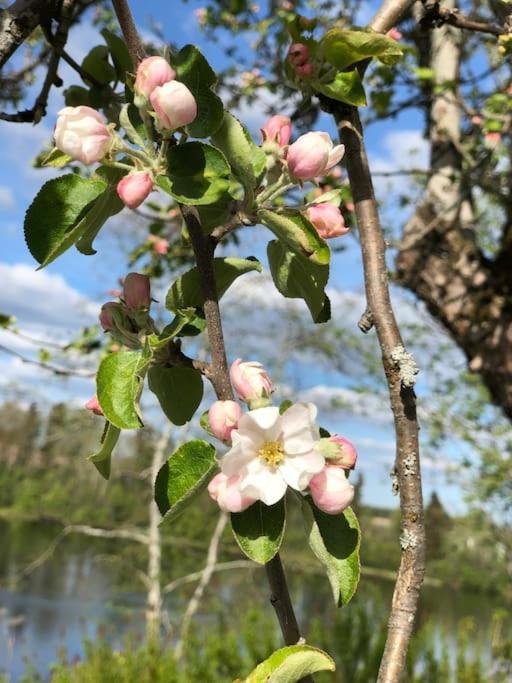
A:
204, 248
436, 16
389, 13
206, 575
17, 23
219, 567
57, 370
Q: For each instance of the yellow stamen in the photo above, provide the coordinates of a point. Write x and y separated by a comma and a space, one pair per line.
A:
272, 453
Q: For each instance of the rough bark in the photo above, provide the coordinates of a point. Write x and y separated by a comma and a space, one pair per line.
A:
439, 258
17, 22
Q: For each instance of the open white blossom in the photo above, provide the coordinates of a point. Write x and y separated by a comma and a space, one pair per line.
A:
272, 451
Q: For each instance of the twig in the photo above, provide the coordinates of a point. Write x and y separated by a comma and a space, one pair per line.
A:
219, 567
63, 372
436, 16
403, 402
130, 33
206, 575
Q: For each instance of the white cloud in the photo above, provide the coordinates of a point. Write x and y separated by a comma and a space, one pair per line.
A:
6, 197
41, 298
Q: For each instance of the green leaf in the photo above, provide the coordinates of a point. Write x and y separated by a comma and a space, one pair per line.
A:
297, 277
132, 124
346, 87
335, 540
185, 292
118, 384
196, 174
103, 457
213, 215
178, 390
193, 70
119, 52
291, 664
247, 160
298, 234
185, 474
97, 65
53, 220
75, 95
259, 530
56, 159
99, 211
343, 47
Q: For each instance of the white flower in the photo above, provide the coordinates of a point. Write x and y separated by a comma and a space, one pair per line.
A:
272, 451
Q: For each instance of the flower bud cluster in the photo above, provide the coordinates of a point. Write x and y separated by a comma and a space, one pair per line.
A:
129, 318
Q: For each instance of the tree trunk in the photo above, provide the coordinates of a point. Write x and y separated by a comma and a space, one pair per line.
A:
439, 258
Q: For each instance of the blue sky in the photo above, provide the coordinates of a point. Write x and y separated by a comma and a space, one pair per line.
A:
53, 303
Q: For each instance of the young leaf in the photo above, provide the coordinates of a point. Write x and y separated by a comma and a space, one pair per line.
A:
119, 53
118, 386
291, 664
197, 174
132, 124
185, 292
259, 530
343, 47
246, 159
184, 475
55, 159
193, 70
335, 540
297, 277
101, 460
53, 221
96, 64
298, 234
178, 390
346, 87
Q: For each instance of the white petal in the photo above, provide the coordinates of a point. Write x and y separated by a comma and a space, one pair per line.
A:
236, 460
335, 156
299, 470
262, 424
299, 430
265, 485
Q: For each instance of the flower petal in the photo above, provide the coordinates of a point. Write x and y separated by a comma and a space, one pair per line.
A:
264, 484
299, 470
260, 425
335, 156
236, 459
299, 430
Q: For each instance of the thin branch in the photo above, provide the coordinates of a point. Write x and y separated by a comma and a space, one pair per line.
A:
219, 567
57, 370
436, 16
206, 575
130, 33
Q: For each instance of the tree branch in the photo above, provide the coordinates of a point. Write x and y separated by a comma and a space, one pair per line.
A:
17, 23
130, 33
436, 16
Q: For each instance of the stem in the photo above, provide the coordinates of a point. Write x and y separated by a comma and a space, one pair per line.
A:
204, 248
130, 33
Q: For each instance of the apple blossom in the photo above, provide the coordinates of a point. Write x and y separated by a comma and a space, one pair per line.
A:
106, 315
339, 451
305, 70
271, 451
82, 133
331, 490
327, 220
226, 492
174, 105
250, 380
394, 34
151, 73
134, 188
161, 246
137, 291
277, 129
223, 417
298, 54
312, 154
94, 406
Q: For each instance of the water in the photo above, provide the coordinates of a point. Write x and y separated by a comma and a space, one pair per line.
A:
73, 595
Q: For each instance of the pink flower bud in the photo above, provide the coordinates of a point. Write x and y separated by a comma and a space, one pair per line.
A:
277, 129
137, 291
298, 54
151, 73
304, 70
134, 188
394, 34
250, 380
174, 104
492, 139
106, 315
82, 133
225, 490
223, 417
476, 120
331, 490
161, 246
339, 451
327, 220
94, 406
312, 155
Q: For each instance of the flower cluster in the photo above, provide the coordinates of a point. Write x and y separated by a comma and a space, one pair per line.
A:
271, 451
83, 134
